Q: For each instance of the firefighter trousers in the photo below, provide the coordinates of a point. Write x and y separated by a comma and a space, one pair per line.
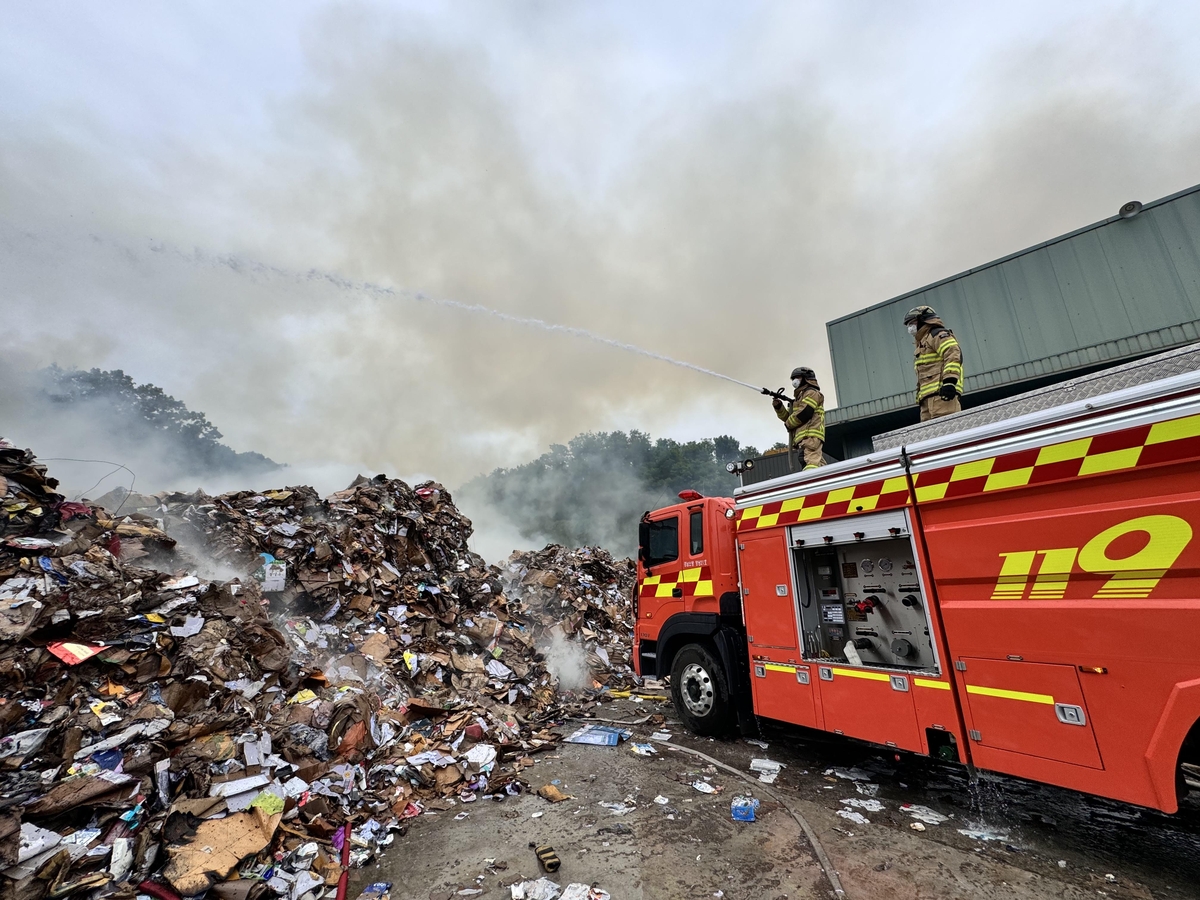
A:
810, 452
934, 406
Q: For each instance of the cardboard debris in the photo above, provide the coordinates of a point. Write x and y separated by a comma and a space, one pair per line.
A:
217, 848
552, 793
361, 666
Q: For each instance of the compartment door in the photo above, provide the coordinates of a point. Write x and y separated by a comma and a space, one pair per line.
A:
869, 705
768, 599
1034, 709
784, 692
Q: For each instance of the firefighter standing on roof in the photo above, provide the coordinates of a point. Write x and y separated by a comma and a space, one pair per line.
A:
938, 361
805, 417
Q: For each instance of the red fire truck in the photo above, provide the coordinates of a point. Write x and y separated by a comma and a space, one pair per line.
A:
1022, 596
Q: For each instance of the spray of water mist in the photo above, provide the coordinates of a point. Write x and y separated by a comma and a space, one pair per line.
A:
243, 266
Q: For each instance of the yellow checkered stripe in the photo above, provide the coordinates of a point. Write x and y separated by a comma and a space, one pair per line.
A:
693, 582
1139, 447
1145, 445
888, 493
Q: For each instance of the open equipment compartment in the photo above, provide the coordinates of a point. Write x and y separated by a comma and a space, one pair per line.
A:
861, 597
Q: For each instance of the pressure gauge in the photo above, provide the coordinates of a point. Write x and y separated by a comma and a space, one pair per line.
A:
885, 565
867, 566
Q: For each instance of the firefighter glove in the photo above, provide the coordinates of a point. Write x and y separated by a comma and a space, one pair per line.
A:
777, 403
948, 390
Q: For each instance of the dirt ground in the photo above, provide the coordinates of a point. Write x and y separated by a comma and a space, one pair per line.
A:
1024, 841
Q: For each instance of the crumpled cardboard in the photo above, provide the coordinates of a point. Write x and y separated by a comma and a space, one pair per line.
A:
217, 848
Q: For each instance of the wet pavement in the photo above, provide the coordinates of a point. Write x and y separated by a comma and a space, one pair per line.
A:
1022, 839
1034, 825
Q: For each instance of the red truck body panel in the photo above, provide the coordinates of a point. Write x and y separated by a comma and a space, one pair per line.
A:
1028, 593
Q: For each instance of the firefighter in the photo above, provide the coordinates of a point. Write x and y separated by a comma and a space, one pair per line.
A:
938, 361
805, 417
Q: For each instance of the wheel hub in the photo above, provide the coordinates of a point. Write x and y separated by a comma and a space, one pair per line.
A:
696, 689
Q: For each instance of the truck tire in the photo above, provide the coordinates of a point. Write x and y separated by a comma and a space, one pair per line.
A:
700, 690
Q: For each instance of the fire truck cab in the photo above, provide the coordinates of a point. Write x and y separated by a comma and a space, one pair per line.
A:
1022, 595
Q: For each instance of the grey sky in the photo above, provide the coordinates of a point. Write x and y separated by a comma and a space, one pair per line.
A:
708, 180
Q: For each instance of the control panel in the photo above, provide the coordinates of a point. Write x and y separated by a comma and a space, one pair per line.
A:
861, 601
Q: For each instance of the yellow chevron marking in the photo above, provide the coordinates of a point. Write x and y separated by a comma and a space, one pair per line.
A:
1111, 461
977, 469
1016, 478
932, 491
1175, 430
1062, 452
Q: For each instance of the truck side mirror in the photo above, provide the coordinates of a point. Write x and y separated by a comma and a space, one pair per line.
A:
644, 543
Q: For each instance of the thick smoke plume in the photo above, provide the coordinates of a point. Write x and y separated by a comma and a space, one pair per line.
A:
713, 197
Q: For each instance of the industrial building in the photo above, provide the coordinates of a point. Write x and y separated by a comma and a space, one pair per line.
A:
1110, 293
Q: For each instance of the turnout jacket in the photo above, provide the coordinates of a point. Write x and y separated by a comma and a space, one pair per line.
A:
807, 396
937, 358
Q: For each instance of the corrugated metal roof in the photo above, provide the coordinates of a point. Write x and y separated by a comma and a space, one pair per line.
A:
1113, 290
1143, 371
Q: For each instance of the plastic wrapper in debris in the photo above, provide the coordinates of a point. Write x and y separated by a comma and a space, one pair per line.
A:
742, 809
767, 769
579, 891
854, 816
379, 890
542, 889
599, 735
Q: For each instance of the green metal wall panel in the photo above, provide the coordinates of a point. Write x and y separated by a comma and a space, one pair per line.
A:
1115, 289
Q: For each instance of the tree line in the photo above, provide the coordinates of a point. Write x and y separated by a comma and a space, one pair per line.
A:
593, 489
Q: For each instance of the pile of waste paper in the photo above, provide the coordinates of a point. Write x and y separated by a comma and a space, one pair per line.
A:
579, 598
245, 695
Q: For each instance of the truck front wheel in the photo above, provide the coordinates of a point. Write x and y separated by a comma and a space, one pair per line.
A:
700, 691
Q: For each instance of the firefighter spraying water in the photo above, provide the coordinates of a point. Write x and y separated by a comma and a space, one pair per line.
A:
804, 417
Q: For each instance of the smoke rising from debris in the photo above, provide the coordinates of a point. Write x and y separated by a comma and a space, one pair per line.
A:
714, 197
567, 661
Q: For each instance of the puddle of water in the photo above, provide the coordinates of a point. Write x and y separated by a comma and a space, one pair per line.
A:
1160, 850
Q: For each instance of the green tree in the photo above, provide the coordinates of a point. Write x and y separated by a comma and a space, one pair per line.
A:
594, 489
140, 414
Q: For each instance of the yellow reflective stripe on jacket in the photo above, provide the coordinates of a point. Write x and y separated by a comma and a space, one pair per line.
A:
928, 390
934, 363
813, 399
